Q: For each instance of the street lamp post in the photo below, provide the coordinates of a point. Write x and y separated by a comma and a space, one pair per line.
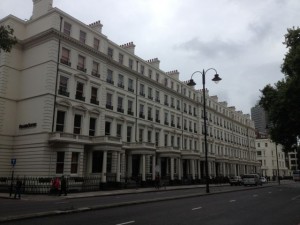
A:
277, 164
191, 82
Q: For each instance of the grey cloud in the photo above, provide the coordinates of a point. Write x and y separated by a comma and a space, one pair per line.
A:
260, 30
211, 49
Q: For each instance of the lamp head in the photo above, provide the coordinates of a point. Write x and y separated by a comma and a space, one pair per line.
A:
216, 79
191, 82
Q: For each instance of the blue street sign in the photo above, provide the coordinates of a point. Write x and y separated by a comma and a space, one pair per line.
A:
13, 162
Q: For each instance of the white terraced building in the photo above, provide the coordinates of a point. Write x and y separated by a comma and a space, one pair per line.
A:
75, 103
272, 158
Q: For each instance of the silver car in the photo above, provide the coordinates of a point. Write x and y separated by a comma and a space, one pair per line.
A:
251, 179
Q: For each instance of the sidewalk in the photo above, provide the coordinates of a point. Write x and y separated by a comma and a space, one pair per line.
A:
40, 197
43, 197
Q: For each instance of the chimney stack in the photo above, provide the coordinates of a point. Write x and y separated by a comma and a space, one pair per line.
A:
97, 26
129, 47
41, 7
154, 62
173, 73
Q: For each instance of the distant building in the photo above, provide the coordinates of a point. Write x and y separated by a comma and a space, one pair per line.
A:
73, 102
267, 153
292, 160
260, 118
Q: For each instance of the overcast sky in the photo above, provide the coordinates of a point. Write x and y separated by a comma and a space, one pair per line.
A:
241, 39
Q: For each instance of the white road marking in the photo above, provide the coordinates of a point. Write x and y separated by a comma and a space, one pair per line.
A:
126, 222
295, 197
255, 196
232, 200
197, 208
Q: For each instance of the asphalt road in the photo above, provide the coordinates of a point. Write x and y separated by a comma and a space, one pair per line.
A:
277, 205
46, 204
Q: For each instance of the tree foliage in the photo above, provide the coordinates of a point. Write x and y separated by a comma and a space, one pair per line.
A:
7, 40
282, 101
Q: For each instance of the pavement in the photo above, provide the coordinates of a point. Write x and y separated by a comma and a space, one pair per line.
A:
37, 197
26, 197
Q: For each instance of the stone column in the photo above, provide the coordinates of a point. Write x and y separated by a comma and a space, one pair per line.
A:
85, 124
199, 169
179, 169
143, 167
234, 170
224, 169
193, 168
153, 166
89, 161
104, 165
118, 166
124, 131
69, 121
129, 169
209, 168
172, 168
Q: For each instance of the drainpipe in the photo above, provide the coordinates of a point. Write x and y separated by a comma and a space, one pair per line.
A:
56, 79
55, 90
136, 102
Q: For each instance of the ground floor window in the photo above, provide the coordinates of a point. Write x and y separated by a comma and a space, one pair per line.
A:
74, 162
60, 160
97, 162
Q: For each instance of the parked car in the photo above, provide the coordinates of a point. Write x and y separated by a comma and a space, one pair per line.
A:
263, 180
251, 179
235, 180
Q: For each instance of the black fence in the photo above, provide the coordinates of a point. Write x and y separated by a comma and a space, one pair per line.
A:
42, 185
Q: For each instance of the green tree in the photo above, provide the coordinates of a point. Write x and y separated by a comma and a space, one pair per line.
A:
282, 101
7, 40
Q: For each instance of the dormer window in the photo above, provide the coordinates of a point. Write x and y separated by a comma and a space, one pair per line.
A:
121, 58
157, 77
150, 73
96, 43
130, 63
67, 28
142, 69
110, 52
82, 37
166, 82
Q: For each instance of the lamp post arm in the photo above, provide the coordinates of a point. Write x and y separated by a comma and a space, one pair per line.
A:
196, 72
210, 69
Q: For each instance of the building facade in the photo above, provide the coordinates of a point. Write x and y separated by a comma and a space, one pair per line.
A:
75, 103
272, 158
259, 116
292, 160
